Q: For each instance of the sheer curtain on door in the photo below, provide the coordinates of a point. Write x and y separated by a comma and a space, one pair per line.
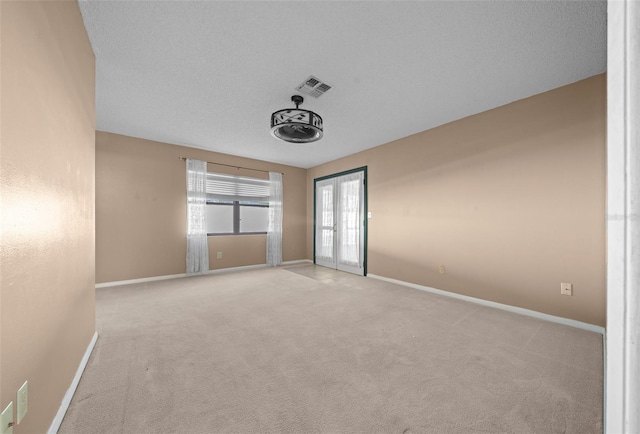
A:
350, 218
197, 247
325, 224
274, 232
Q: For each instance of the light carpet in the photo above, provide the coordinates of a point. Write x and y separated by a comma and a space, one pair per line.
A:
312, 350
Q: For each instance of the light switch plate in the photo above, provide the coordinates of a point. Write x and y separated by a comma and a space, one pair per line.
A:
22, 404
6, 418
566, 289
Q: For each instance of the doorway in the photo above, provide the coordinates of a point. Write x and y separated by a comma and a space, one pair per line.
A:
340, 223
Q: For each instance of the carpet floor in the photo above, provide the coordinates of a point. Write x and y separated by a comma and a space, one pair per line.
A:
305, 349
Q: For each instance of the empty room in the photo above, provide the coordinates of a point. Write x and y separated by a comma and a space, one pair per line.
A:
319, 217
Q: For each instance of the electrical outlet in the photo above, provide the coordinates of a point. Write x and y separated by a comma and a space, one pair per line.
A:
441, 269
566, 289
6, 420
22, 404
219, 255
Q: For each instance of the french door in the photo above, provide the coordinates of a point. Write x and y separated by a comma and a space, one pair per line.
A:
340, 222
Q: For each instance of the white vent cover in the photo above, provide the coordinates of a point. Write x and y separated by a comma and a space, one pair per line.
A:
312, 86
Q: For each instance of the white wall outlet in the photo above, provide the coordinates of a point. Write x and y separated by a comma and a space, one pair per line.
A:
22, 404
369, 215
441, 269
6, 420
219, 255
566, 289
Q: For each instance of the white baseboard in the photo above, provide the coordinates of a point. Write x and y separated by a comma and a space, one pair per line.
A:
177, 276
514, 309
231, 269
142, 280
66, 401
298, 261
252, 267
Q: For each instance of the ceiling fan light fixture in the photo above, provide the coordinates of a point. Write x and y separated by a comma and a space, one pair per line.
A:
296, 125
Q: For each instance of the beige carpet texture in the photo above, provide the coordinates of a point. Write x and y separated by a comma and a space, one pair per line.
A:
305, 349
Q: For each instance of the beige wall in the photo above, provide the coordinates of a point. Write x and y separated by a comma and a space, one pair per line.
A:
237, 251
511, 201
141, 210
47, 181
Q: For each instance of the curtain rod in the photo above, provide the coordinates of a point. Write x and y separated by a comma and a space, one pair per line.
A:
235, 167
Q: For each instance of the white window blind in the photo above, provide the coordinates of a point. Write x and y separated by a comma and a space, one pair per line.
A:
230, 188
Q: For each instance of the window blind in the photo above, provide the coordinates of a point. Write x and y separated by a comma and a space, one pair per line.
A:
230, 188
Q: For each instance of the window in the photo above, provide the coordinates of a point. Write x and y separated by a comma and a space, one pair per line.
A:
237, 205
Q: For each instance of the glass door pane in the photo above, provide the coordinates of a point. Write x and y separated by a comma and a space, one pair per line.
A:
350, 228
325, 223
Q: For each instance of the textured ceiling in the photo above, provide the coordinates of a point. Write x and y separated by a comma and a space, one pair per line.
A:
209, 74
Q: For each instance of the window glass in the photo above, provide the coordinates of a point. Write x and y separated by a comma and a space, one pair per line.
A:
219, 219
254, 218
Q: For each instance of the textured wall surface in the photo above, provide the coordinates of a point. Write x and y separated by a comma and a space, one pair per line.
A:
141, 210
47, 202
511, 201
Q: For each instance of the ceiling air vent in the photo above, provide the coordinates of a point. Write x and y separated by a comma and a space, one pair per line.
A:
312, 86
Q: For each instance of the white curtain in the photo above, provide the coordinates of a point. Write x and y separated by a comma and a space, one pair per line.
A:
274, 232
325, 224
350, 217
197, 247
